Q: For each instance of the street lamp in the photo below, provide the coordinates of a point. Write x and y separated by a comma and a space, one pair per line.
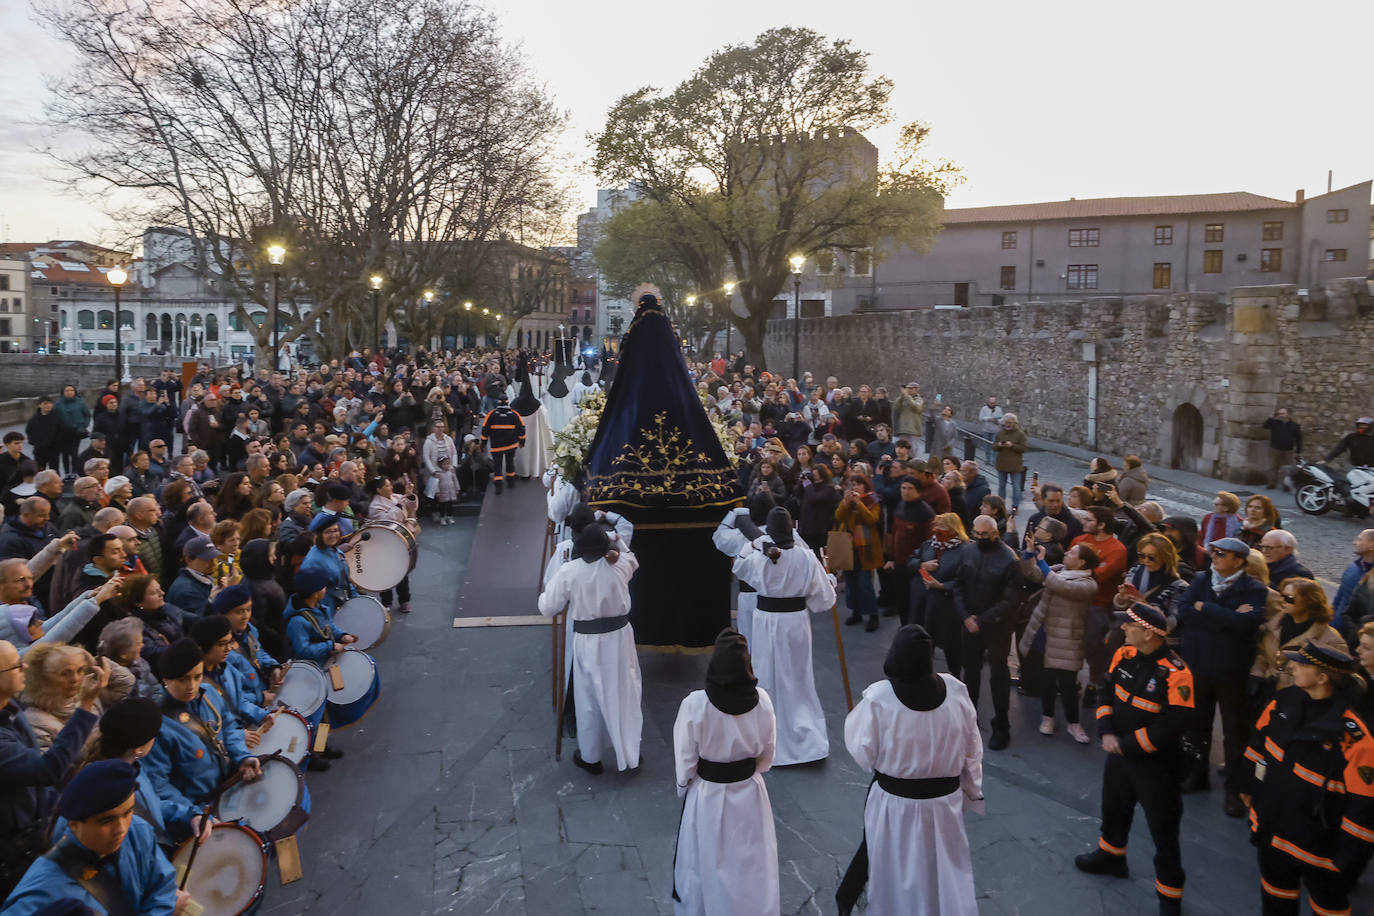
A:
729, 316
117, 278
276, 256
376, 280
691, 302
797, 261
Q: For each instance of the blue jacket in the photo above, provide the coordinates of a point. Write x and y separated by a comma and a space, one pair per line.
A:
307, 640
330, 562
148, 880
28, 776
185, 772
1219, 641
255, 665
230, 680
146, 805
191, 595
1350, 580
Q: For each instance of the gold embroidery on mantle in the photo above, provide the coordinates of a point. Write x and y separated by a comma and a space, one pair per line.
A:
664, 469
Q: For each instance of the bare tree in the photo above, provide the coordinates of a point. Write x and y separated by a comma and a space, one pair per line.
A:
362, 135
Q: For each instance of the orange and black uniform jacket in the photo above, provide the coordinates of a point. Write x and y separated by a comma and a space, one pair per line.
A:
1312, 782
1149, 704
504, 429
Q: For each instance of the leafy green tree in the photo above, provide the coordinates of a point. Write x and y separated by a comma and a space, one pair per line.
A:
761, 151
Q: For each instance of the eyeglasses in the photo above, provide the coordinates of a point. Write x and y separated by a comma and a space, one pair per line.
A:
1220, 553
1263, 547
1290, 599
1149, 556
11, 668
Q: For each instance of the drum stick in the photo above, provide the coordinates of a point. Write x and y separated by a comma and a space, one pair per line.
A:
195, 846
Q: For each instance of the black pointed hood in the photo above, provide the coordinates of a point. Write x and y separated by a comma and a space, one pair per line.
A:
526, 404
591, 543
779, 527
910, 669
730, 683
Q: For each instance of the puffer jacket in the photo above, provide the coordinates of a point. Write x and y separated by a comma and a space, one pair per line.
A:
1132, 485
1062, 612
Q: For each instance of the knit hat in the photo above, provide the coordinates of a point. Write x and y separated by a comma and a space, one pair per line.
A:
209, 630
230, 598
179, 658
96, 788
114, 483
131, 723
293, 499
309, 581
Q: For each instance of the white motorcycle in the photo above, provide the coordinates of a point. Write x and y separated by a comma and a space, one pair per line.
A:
1319, 488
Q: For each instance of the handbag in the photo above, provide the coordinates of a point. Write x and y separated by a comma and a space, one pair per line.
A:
839, 550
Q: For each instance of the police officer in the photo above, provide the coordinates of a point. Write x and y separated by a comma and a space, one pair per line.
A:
504, 432
1311, 778
108, 859
1150, 707
200, 745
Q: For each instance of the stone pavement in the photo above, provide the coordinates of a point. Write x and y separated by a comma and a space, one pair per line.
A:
449, 799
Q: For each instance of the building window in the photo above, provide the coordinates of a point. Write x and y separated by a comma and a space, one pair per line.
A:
18, 303
1271, 260
5, 327
1211, 262
1163, 276
1008, 278
1008, 239
4, 305
1337, 216
861, 263
1215, 232
5, 283
825, 262
1334, 254
1082, 276
1164, 235
1273, 232
1084, 238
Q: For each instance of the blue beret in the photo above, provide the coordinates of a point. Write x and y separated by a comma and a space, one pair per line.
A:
310, 580
97, 788
323, 521
231, 597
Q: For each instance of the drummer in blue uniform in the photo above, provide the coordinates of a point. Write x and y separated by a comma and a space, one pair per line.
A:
200, 745
325, 558
216, 640
108, 859
310, 619
127, 732
261, 672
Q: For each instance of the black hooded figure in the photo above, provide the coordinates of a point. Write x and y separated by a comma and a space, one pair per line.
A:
527, 404
657, 460
730, 683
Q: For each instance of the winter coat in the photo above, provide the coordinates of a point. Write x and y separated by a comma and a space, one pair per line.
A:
44, 430
75, 415
860, 519
21, 541
1132, 484
108, 423
942, 442
1269, 654
1062, 612
907, 415
973, 496
1010, 457
1218, 641
817, 515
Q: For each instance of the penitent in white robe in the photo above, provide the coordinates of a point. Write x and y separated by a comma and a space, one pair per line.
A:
781, 646
918, 855
727, 850
606, 681
730, 541
561, 410
621, 535
537, 453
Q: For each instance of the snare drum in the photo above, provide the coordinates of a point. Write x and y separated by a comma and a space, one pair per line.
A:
230, 870
289, 737
274, 806
379, 555
362, 684
304, 688
366, 618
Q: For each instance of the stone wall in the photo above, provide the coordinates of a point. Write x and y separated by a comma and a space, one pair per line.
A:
32, 374
1185, 380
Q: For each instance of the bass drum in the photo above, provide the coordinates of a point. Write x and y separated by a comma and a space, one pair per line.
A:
379, 555
230, 870
362, 685
288, 738
274, 806
304, 688
366, 618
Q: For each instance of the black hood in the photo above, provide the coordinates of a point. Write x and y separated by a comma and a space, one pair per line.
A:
580, 517
591, 543
779, 527
910, 669
558, 388
255, 562
526, 404
730, 683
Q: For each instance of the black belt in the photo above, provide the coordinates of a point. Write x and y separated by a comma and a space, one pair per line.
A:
600, 625
781, 605
931, 787
734, 771
746, 587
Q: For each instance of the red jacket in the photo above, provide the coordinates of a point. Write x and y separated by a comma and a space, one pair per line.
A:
1111, 571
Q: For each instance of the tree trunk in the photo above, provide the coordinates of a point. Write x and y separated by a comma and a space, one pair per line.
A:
753, 328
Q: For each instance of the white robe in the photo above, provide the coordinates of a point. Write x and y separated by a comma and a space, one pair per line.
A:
781, 647
918, 855
580, 391
623, 533
561, 410
730, 541
562, 499
537, 453
727, 850
606, 685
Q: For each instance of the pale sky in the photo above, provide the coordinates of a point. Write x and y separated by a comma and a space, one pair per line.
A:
1035, 101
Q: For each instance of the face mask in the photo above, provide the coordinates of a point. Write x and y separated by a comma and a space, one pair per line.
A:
986, 545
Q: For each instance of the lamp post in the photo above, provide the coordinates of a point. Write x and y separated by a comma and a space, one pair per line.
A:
376, 280
276, 256
729, 313
117, 278
691, 303
798, 262
429, 300
467, 322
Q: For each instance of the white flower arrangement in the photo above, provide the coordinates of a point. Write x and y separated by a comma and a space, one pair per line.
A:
572, 445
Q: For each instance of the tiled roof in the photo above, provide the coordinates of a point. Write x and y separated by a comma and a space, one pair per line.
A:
1179, 205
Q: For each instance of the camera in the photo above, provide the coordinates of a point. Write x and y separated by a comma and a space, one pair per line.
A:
807, 475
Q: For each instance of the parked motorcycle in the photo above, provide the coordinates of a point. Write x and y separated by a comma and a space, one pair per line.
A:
1318, 488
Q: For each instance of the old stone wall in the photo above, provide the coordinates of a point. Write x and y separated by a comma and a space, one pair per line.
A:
32, 374
1185, 380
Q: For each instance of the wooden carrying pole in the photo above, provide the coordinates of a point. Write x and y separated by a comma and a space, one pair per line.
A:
545, 551
839, 642
559, 695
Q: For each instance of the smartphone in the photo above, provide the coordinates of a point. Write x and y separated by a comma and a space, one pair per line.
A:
926, 575
1035, 479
